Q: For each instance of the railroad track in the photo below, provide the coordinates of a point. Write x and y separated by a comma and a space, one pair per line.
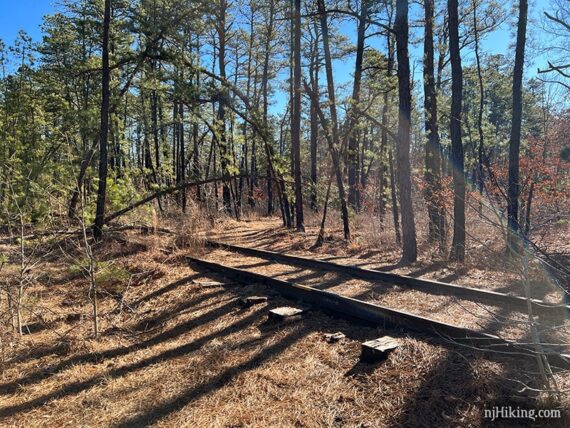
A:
383, 316
493, 298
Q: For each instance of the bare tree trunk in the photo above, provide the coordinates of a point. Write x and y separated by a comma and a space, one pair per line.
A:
155, 130
104, 131
22, 277
221, 115
458, 245
353, 185
296, 116
251, 184
321, 236
182, 157
394, 196
480, 147
80, 179
433, 148
196, 155
314, 116
513, 243
335, 137
527, 211
314, 147
265, 95
384, 133
409, 247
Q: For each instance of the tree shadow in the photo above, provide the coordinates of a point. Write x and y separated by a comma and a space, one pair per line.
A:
164, 409
34, 327
81, 386
125, 250
152, 322
453, 385
38, 352
388, 268
369, 253
427, 269
282, 274
254, 265
86, 358
166, 289
323, 284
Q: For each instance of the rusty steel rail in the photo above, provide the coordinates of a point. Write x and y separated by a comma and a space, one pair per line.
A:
493, 298
380, 315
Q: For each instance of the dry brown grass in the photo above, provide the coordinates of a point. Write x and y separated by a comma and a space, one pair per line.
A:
183, 355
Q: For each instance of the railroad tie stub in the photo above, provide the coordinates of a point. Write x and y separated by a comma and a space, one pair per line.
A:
334, 337
285, 313
378, 349
249, 301
209, 284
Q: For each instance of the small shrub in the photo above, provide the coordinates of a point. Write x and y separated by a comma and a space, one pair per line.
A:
110, 277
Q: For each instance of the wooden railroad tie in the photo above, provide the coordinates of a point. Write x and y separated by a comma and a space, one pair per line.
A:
249, 301
285, 314
211, 284
334, 337
378, 349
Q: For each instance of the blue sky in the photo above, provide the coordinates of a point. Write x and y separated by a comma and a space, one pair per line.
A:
27, 15
16, 15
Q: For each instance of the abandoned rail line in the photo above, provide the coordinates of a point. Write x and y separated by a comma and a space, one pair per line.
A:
385, 317
489, 297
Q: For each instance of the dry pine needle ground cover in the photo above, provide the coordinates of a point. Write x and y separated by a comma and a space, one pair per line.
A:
184, 354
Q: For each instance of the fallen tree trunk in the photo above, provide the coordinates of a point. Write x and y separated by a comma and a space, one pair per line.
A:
164, 192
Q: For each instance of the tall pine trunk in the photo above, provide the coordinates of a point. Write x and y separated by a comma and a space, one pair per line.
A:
433, 195
196, 168
296, 117
225, 155
513, 243
104, 130
353, 164
480, 147
409, 245
384, 135
334, 140
314, 117
457, 157
394, 196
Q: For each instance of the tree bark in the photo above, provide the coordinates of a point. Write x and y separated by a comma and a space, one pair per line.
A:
353, 185
384, 127
104, 130
182, 157
197, 169
72, 211
251, 184
334, 141
409, 247
296, 117
265, 95
513, 244
433, 195
458, 245
394, 196
480, 147
221, 115
314, 67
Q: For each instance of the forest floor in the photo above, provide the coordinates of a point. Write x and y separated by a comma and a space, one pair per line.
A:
177, 350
